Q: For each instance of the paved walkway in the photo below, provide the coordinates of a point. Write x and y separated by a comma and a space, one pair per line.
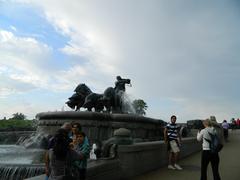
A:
229, 164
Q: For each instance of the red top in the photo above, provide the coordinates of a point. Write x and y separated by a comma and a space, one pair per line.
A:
238, 122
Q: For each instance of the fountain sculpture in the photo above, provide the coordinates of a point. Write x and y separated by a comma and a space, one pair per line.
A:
110, 114
111, 123
111, 99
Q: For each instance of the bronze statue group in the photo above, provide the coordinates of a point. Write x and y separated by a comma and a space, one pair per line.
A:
111, 100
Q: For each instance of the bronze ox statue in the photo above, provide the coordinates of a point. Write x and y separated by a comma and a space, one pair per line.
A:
111, 99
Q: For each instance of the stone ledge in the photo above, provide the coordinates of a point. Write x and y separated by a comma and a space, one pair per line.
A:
134, 160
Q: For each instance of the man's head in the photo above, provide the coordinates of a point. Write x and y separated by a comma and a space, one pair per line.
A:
63, 132
213, 122
213, 118
76, 127
173, 119
67, 126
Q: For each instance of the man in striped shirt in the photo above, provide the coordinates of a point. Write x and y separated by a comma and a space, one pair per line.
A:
173, 140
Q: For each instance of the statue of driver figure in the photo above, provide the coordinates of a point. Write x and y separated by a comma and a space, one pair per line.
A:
120, 84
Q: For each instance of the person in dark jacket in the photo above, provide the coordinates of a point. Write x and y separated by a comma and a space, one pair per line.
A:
60, 159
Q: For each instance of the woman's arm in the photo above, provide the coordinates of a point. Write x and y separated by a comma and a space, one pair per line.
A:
200, 135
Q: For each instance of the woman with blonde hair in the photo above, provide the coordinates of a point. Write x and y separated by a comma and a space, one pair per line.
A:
207, 156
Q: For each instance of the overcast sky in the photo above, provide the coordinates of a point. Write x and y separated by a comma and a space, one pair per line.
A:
182, 56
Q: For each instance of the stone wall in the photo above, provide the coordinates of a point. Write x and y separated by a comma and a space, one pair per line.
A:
135, 159
140, 158
100, 126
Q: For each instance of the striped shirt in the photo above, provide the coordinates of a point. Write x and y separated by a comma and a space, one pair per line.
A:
172, 131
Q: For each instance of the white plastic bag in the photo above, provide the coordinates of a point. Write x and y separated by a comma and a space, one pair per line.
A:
92, 154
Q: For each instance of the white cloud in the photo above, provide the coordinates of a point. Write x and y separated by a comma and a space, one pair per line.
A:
23, 58
4, 92
30, 109
24, 63
185, 52
86, 39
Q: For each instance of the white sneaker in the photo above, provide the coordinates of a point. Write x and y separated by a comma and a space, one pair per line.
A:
171, 167
178, 167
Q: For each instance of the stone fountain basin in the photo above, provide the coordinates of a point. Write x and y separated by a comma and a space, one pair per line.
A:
15, 154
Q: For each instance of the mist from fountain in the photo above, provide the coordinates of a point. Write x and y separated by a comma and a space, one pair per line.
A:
18, 162
15, 154
127, 104
36, 140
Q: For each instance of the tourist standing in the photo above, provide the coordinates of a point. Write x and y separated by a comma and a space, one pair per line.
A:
83, 149
64, 130
233, 124
207, 155
238, 123
225, 126
76, 129
173, 140
60, 158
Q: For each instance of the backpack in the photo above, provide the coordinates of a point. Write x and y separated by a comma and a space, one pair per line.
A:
215, 143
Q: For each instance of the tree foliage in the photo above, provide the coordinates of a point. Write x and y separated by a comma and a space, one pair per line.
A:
17, 122
19, 116
140, 106
16, 125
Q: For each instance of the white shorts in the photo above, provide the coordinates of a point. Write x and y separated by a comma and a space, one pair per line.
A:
174, 147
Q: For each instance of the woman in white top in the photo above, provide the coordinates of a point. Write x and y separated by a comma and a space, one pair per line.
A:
207, 156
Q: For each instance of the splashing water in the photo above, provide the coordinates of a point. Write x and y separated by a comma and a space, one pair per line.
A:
17, 162
16, 172
127, 104
13, 154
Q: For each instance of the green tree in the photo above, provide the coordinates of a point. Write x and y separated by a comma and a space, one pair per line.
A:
19, 116
140, 106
